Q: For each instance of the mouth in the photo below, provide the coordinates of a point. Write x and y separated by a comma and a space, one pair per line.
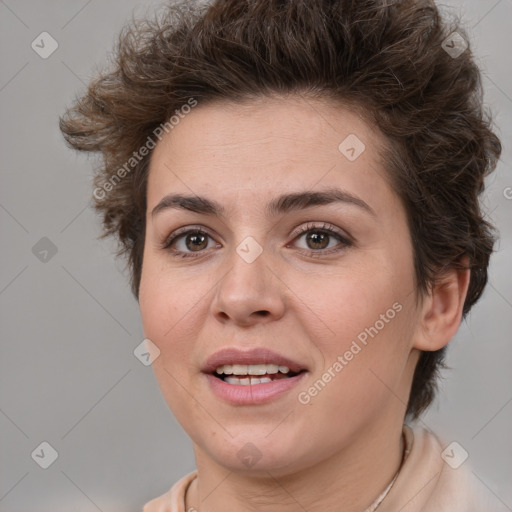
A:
253, 374
251, 377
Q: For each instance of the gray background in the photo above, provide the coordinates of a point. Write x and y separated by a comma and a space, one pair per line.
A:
69, 325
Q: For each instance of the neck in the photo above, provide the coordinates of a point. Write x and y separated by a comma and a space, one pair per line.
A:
354, 476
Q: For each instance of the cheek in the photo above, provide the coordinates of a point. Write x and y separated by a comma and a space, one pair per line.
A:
165, 311
345, 303
167, 300
167, 307
362, 371
173, 305
364, 314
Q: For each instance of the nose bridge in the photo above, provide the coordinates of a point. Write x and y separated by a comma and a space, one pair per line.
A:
249, 286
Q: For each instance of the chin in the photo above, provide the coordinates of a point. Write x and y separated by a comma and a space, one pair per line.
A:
256, 455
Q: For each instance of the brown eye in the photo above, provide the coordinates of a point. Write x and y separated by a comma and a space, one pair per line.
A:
196, 241
317, 240
186, 242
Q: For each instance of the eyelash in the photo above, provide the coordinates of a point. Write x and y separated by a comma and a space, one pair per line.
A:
325, 228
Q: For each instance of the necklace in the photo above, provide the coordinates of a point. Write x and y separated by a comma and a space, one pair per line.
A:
381, 497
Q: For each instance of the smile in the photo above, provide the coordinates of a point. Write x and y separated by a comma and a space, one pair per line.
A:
252, 374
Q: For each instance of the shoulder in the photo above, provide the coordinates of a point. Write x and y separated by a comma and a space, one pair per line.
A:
159, 504
174, 499
436, 477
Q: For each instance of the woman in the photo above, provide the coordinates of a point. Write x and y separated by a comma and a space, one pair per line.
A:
296, 187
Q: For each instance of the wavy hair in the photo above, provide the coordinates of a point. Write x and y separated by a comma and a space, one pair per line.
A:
388, 59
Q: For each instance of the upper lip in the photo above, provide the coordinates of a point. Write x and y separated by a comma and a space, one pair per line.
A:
252, 356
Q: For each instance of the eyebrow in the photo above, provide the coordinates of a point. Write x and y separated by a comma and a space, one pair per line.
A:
283, 204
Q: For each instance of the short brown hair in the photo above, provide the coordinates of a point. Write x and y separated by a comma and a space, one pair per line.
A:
384, 57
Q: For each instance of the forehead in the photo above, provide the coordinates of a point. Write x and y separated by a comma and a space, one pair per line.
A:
242, 151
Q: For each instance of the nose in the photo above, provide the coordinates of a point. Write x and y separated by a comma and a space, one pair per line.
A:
250, 292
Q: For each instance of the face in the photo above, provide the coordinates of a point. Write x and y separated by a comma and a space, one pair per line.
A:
298, 256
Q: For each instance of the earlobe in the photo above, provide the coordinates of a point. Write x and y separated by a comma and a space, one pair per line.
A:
442, 309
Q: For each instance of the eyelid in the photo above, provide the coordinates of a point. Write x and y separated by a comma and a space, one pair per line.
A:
184, 231
344, 238
325, 226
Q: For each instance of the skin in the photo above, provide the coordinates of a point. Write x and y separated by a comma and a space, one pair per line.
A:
345, 445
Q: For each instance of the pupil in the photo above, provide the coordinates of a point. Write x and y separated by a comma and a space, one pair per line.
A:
198, 241
314, 238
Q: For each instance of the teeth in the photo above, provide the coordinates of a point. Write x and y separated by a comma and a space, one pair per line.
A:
251, 369
248, 381
257, 369
226, 369
239, 369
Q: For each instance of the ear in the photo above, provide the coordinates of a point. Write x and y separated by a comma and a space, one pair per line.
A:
441, 310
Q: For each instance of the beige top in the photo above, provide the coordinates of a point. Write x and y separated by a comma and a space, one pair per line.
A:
425, 482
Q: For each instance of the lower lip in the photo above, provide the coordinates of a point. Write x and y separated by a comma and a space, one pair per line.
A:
255, 394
